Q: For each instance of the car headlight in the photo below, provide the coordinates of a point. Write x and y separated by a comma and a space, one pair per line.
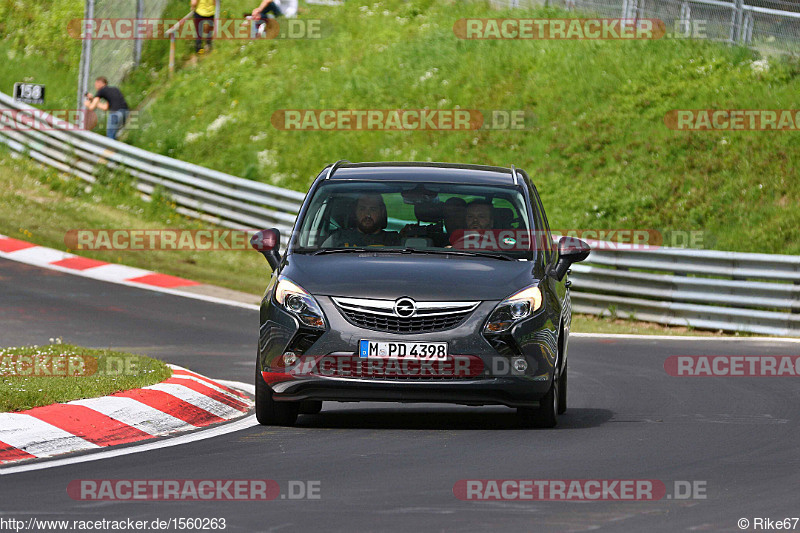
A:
519, 305
298, 302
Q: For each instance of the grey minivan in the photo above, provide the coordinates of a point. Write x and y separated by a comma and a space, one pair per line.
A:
416, 282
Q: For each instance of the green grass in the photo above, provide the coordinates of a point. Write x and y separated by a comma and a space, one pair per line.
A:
76, 373
599, 152
595, 324
39, 205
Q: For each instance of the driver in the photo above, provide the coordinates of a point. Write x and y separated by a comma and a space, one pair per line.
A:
370, 213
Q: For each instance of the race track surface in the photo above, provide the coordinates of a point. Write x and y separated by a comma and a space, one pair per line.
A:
392, 467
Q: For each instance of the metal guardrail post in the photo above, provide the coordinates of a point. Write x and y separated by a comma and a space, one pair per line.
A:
739, 19
171, 54
86, 59
137, 43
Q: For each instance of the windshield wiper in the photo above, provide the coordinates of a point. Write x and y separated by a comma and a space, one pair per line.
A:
340, 250
467, 253
382, 250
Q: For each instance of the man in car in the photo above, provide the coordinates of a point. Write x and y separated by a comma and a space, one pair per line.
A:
371, 218
478, 223
479, 215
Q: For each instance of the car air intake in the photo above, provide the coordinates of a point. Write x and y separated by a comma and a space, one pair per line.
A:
384, 315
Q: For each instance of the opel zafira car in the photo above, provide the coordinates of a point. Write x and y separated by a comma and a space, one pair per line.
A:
416, 282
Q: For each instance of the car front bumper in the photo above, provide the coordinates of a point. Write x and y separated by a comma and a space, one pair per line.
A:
491, 377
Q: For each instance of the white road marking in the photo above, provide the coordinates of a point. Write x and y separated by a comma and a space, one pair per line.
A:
39, 438
39, 254
135, 413
113, 272
209, 385
195, 436
195, 398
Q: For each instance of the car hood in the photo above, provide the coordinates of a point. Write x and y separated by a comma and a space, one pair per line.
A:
420, 276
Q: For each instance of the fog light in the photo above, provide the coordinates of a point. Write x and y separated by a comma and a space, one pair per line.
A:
289, 358
520, 365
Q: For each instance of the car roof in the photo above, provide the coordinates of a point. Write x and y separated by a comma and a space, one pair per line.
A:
423, 172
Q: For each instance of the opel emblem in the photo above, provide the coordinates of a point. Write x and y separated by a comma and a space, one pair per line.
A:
405, 307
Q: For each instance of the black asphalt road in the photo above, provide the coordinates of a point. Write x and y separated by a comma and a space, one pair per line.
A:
391, 467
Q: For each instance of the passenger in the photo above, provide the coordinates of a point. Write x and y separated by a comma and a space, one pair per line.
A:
479, 215
371, 219
478, 218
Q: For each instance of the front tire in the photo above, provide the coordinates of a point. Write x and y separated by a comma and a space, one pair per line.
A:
562, 392
268, 411
544, 416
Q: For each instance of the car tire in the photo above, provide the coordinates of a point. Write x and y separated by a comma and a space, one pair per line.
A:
562, 392
268, 411
544, 416
310, 407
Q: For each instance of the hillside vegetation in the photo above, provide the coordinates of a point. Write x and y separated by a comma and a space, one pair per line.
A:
598, 149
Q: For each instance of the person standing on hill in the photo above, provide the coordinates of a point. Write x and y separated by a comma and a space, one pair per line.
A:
203, 23
114, 103
266, 7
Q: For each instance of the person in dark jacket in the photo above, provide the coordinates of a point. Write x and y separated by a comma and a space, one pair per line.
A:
108, 99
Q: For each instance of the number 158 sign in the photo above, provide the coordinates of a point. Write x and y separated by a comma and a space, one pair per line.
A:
30, 93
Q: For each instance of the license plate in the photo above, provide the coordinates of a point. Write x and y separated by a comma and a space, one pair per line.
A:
402, 350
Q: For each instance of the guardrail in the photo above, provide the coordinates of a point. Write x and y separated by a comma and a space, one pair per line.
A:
198, 192
756, 293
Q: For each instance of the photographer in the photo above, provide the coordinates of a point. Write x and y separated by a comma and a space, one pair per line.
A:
114, 103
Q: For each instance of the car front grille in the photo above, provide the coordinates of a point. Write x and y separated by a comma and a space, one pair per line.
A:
379, 315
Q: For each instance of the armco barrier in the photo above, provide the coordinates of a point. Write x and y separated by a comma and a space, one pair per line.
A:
756, 293
199, 192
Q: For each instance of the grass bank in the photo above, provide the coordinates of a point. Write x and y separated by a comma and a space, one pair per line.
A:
598, 149
31, 376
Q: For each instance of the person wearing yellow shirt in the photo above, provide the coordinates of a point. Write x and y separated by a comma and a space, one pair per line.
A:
203, 23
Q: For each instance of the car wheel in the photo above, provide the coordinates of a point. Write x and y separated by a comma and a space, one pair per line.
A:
268, 411
562, 392
310, 407
544, 416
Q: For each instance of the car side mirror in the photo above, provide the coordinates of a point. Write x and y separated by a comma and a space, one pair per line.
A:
268, 242
570, 250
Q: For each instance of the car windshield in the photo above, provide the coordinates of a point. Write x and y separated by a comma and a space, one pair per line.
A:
409, 217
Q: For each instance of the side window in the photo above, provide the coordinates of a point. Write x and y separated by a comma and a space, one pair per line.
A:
506, 215
549, 247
